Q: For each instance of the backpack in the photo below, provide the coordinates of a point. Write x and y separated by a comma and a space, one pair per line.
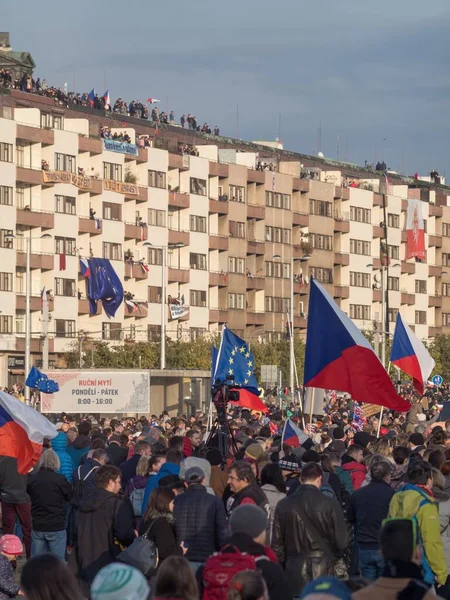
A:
221, 567
80, 488
137, 498
327, 490
428, 571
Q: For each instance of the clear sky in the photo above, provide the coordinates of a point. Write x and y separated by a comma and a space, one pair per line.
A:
375, 74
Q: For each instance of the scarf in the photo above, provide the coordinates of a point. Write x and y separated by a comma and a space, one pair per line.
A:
168, 516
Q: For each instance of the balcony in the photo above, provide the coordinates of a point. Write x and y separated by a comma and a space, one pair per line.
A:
341, 192
297, 252
256, 211
178, 275
256, 317
179, 200
300, 185
87, 225
218, 207
407, 298
35, 218
218, 315
434, 331
179, 161
300, 218
377, 296
255, 247
435, 241
136, 232
46, 137
435, 211
299, 322
256, 176
378, 232
141, 311
255, 283
134, 271
142, 156
83, 307
404, 237
218, 279
96, 186
35, 303
218, 170
35, 346
179, 237
434, 270
341, 291
407, 267
218, 242
377, 199
90, 144
435, 301
303, 290
30, 176
341, 225
38, 260
341, 259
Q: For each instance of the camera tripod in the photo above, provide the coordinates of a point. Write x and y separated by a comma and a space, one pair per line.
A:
221, 437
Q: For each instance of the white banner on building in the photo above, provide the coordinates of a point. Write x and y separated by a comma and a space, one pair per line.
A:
177, 311
95, 391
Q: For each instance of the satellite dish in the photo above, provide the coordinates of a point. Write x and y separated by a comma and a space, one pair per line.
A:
320, 154
377, 277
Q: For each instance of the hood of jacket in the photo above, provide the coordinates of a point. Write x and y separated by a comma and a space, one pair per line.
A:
354, 466
406, 502
82, 441
96, 499
245, 543
139, 482
59, 443
398, 471
168, 469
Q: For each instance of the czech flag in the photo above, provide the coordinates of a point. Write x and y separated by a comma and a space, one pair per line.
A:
293, 436
107, 100
91, 97
249, 400
22, 432
85, 268
338, 357
410, 355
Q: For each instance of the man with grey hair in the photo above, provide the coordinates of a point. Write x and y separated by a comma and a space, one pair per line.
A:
86, 472
49, 492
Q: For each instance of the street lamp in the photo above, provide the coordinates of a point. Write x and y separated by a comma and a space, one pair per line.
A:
163, 295
28, 304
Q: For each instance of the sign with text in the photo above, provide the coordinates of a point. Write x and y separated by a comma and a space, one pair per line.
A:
178, 311
98, 392
80, 181
370, 409
130, 189
122, 147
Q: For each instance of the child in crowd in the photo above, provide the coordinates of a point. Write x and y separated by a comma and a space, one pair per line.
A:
10, 548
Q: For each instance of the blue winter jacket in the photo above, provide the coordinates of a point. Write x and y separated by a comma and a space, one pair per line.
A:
152, 483
59, 445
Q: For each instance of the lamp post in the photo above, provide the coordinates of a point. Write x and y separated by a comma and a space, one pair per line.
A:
163, 295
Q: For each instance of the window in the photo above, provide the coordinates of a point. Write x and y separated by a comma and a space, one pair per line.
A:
198, 298
6, 282
394, 283
112, 171
361, 215
65, 162
445, 319
277, 305
154, 294
392, 315
64, 328
421, 317
6, 195
155, 256
111, 331
5, 240
277, 200
359, 279
236, 301
198, 186
445, 260
237, 229
321, 242
197, 261
196, 333
360, 311
6, 324
320, 208
393, 220
236, 265
286, 201
278, 234
49, 121
66, 205
64, 287
157, 179
6, 152
360, 247
393, 252
237, 193
65, 245
278, 269
154, 333
112, 211
156, 217
198, 224
446, 229
112, 251
421, 286
20, 323
321, 274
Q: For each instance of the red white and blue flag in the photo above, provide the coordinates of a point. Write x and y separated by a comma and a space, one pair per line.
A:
107, 100
339, 357
410, 355
292, 435
91, 98
85, 268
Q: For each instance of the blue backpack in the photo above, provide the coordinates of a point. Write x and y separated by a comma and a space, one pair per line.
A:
428, 572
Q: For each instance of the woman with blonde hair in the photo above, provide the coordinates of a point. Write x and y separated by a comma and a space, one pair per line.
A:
135, 489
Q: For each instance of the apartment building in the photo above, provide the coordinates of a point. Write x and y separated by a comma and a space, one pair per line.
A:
229, 236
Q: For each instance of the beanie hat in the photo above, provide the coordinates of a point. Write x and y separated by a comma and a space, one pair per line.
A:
362, 438
11, 544
255, 452
338, 433
118, 581
311, 456
249, 519
416, 439
214, 457
326, 586
289, 465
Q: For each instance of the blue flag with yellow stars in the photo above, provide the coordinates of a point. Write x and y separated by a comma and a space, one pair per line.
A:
235, 359
41, 382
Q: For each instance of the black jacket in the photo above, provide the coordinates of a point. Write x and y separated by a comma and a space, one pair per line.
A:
368, 507
200, 522
128, 469
87, 471
13, 485
118, 454
49, 493
252, 493
103, 520
309, 532
162, 533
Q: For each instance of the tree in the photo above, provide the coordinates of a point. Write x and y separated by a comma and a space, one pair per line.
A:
439, 349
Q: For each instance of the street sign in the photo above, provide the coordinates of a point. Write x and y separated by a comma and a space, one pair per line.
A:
437, 380
269, 374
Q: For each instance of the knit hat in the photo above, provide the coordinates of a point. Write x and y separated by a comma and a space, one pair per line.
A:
416, 439
241, 437
338, 433
289, 465
249, 519
326, 587
362, 438
11, 544
255, 452
194, 475
214, 457
118, 581
311, 456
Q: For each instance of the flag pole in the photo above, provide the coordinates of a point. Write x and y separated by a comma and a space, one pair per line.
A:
311, 410
382, 408
219, 353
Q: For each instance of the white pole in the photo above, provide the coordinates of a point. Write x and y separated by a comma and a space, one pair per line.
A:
163, 309
27, 316
291, 339
311, 410
45, 320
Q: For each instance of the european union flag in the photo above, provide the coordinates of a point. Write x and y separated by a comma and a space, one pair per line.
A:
41, 382
234, 359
